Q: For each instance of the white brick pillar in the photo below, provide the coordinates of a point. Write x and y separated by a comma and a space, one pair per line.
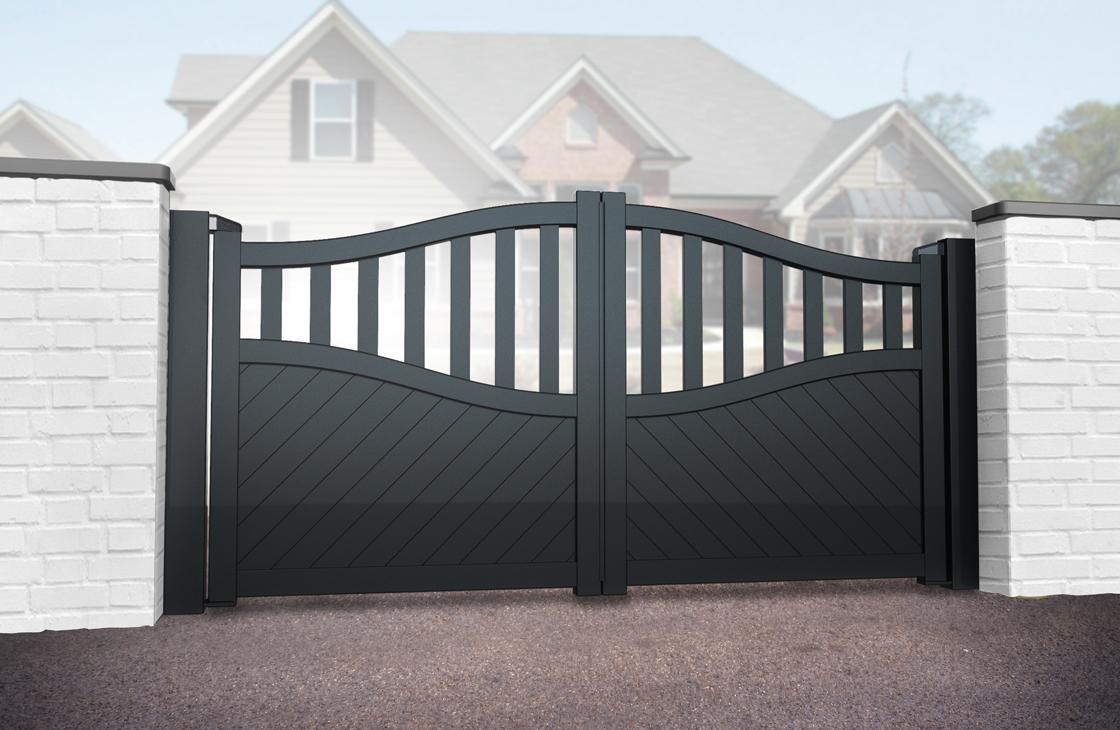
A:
83, 360
1048, 305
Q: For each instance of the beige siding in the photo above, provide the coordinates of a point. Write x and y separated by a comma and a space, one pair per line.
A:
921, 174
417, 171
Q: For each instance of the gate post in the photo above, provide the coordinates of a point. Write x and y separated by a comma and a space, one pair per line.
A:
954, 337
960, 379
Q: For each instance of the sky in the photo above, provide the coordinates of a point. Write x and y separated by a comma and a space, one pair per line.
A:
109, 65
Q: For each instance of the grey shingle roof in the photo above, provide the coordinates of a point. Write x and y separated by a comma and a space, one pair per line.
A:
209, 78
838, 138
889, 203
746, 136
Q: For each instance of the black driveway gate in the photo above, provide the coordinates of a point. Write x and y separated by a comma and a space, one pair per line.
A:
342, 471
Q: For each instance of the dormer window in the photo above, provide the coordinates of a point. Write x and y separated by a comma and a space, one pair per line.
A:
583, 127
892, 161
333, 119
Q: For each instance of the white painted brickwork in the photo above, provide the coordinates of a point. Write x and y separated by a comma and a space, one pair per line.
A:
83, 341
1048, 304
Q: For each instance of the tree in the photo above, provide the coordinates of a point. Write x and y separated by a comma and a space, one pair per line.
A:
1009, 174
1076, 160
953, 119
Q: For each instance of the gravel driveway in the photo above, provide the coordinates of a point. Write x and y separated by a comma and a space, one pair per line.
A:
839, 654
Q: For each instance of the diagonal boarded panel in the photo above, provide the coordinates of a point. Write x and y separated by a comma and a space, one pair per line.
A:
254, 379
896, 423
417, 445
858, 479
801, 455
287, 421
429, 507
493, 501
675, 467
652, 523
277, 394
349, 489
287, 457
548, 527
525, 511
403, 510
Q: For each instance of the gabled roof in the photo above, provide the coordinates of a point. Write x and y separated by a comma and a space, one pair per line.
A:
208, 79
64, 134
849, 137
583, 70
333, 16
746, 136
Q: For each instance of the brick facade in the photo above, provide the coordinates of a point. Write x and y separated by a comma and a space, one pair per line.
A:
613, 159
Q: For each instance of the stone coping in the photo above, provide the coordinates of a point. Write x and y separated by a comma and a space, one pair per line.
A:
1008, 208
87, 170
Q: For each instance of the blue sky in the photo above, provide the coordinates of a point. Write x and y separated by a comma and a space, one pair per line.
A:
109, 65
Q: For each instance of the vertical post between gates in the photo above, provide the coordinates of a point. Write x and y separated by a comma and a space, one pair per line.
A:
589, 384
614, 392
225, 376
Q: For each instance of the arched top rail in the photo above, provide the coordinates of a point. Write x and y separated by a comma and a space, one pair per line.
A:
394, 240
735, 391
715, 230
302, 354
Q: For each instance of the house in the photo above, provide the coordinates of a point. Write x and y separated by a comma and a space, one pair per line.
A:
334, 133
28, 131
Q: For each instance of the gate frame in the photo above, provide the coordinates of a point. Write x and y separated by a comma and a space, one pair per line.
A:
201, 551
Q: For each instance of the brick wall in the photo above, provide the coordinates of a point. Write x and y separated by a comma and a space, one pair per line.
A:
1048, 304
83, 333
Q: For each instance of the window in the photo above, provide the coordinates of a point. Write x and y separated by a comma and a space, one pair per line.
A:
583, 127
633, 192
333, 119
892, 162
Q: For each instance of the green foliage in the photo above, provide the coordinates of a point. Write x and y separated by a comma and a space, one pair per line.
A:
953, 119
1076, 160
1009, 175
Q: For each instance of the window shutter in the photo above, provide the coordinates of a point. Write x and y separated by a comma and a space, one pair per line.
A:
365, 121
301, 119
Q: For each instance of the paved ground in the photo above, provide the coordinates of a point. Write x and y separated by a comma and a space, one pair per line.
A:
845, 654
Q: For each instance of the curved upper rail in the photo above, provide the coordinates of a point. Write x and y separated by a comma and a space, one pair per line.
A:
394, 240
714, 396
716, 230
302, 354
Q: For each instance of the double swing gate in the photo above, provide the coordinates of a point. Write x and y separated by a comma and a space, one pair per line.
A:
335, 470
